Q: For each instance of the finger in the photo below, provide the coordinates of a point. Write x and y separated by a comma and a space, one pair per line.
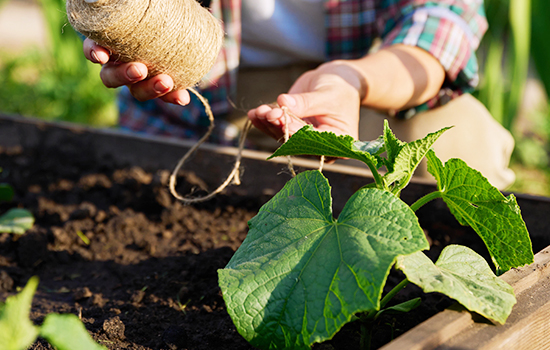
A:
154, 87
115, 75
258, 118
178, 97
306, 104
95, 53
273, 122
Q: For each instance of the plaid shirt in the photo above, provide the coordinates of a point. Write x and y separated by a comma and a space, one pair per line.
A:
449, 29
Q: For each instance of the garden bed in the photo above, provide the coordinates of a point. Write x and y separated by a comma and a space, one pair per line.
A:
111, 245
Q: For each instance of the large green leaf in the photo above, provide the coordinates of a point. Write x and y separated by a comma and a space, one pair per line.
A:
407, 160
67, 332
476, 203
464, 276
16, 221
308, 141
300, 274
16, 329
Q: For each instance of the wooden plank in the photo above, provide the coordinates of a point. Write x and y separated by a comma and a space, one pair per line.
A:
434, 331
531, 333
526, 328
524, 278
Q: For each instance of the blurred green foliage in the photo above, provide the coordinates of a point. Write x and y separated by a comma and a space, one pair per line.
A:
540, 48
59, 83
506, 63
517, 36
515, 48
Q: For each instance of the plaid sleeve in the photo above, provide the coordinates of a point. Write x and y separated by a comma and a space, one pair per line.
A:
450, 30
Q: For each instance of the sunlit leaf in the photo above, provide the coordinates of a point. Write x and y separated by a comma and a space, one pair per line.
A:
17, 332
476, 203
300, 274
308, 141
407, 160
464, 276
67, 332
16, 221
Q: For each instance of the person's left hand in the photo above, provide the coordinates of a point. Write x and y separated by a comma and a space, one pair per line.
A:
328, 98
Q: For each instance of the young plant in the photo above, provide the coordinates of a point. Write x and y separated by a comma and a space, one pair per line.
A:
17, 332
301, 274
15, 220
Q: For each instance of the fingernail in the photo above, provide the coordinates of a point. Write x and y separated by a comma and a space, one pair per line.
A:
93, 54
179, 102
133, 72
160, 87
290, 101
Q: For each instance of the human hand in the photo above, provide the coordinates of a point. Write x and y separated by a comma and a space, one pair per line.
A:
134, 75
328, 98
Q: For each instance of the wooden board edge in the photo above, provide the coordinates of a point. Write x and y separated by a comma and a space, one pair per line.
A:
440, 328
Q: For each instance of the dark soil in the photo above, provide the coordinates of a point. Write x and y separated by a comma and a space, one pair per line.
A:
147, 278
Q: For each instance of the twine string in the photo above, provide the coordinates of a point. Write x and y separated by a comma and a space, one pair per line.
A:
286, 114
234, 176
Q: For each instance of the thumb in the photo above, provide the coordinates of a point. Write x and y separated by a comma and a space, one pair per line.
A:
307, 104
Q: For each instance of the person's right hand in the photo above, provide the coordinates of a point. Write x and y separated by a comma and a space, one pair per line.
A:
134, 75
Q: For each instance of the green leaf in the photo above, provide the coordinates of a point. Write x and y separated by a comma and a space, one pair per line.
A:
67, 332
464, 276
300, 274
401, 308
407, 160
308, 141
476, 203
6, 192
17, 332
393, 146
16, 221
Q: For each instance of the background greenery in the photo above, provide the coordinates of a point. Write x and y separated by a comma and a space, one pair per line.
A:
514, 52
58, 83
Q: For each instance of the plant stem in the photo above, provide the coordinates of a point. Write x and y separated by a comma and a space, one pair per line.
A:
393, 292
430, 196
376, 175
366, 335
367, 321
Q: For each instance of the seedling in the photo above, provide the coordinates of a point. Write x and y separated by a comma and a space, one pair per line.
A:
15, 220
300, 274
17, 332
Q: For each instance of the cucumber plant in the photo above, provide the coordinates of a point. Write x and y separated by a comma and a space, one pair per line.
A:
301, 274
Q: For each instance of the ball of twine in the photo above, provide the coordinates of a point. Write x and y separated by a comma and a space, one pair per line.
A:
176, 37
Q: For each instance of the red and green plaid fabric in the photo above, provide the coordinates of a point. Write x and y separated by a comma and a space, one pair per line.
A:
449, 29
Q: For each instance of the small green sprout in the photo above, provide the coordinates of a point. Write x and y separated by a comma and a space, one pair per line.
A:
17, 332
15, 220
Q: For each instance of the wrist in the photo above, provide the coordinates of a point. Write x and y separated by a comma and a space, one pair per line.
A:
348, 73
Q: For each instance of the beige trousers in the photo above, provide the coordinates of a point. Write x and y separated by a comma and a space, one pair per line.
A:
476, 137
